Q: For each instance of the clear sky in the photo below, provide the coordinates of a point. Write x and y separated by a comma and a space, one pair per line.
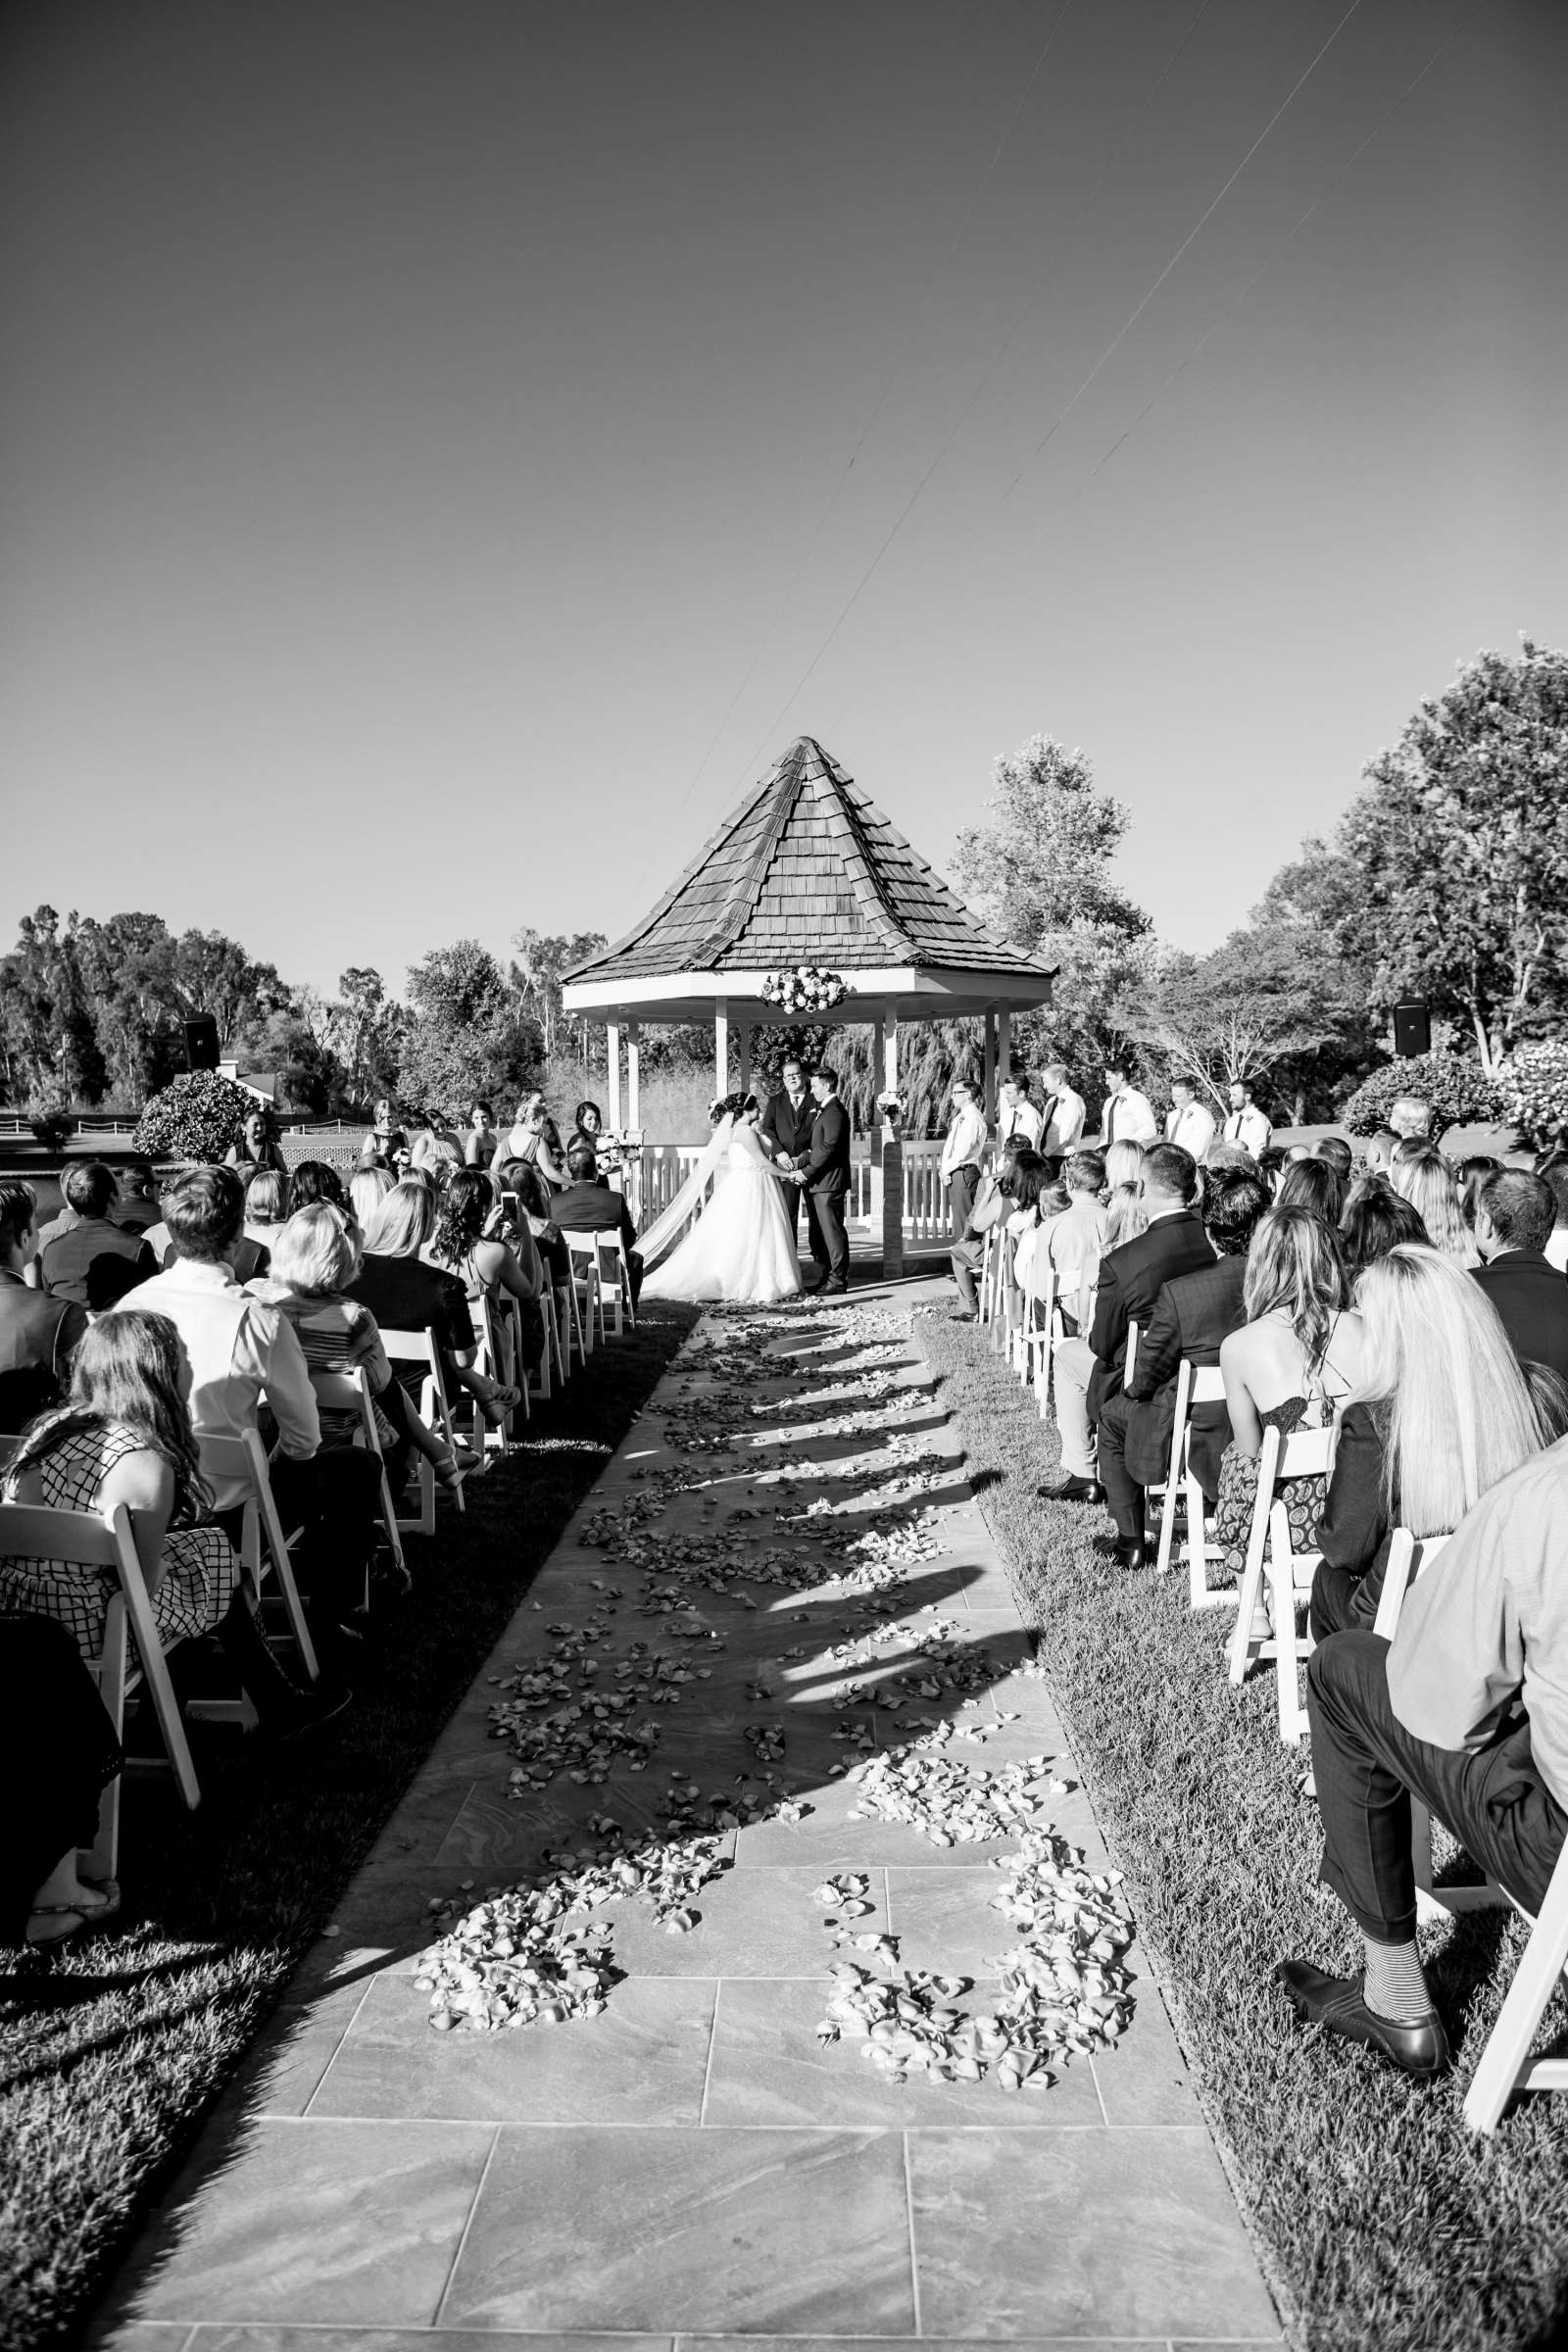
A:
425, 431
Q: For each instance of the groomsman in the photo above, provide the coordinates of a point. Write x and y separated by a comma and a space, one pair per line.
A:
1061, 1120
963, 1154
1247, 1125
1128, 1117
1017, 1119
1190, 1124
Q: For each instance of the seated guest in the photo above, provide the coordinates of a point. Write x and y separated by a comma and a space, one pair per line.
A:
239, 1351
1411, 1118
1028, 1208
1514, 1212
256, 1146
386, 1130
1337, 1151
1124, 1196
991, 1202
126, 1437
1548, 1393
367, 1189
267, 1203
316, 1258
1312, 1184
1553, 1170
1075, 1240
482, 1140
1297, 1356
588, 1207
523, 1180
135, 1198
93, 1262
490, 1263
1440, 1412
1131, 1279
1470, 1175
531, 1141
404, 1293
1463, 1712
1407, 1151
1375, 1221
1378, 1157
1427, 1182
1231, 1156
59, 1751
39, 1334
316, 1180
1271, 1166
1193, 1313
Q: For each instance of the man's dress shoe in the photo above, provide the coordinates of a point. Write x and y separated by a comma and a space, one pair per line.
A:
1337, 2002
1131, 1552
1076, 1489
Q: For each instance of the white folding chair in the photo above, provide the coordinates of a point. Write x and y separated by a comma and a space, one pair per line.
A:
551, 1372
86, 1539
1004, 1291
588, 1281
615, 1282
420, 1348
226, 1461
988, 1276
351, 1393
1304, 1453
1196, 1384
1042, 1326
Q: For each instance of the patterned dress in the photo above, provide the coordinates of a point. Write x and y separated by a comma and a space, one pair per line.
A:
201, 1574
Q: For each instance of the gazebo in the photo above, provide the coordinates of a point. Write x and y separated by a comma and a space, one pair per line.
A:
808, 871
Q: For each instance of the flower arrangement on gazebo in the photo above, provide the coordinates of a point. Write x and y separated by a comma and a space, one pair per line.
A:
808, 987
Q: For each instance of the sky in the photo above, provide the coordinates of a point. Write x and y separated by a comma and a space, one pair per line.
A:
449, 451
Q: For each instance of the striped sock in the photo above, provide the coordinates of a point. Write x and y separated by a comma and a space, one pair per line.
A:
1395, 1987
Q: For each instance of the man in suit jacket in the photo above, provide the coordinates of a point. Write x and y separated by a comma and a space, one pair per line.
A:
826, 1180
587, 1205
1131, 1279
1514, 1216
1193, 1313
786, 1123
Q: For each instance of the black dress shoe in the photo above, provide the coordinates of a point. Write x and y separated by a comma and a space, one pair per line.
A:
1076, 1489
1337, 2002
1131, 1552
832, 1289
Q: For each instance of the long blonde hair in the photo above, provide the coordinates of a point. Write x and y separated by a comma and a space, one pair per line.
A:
1431, 1188
1125, 1215
1296, 1263
1459, 1413
404, 1221
1124, 1163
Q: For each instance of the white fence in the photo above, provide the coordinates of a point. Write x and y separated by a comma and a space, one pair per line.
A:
663, 1168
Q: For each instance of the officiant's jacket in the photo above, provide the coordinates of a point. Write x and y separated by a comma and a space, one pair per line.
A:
1191, 1317
787, 1128
1131, 1279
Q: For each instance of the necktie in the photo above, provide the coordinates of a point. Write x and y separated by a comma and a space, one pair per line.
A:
1110, 1120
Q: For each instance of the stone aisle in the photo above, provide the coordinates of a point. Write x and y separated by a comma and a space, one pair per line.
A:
694, 2161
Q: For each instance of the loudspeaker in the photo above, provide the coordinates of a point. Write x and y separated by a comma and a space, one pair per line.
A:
1413, 1030
201, 1042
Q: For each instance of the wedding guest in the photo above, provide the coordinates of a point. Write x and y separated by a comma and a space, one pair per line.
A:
1470, 1175
1131, 1278
256, 1146
523, 1180
59, 1745
1554, 1170
993, 1201
92, 1263
1378, 1158
1128, 1117
1061, 1114
533, 1138
136, 1201
1125, 1219
1513, 1222
1076, 1241
386, 1130
588, 1205
266, 1201
1464, 1712
1548, 1393
962, 1155
495, 1259
1312, 1184
367, 1189
39, 1334
1337, 1151
316, 1180
481, 1142
1411, 1118
1017, 1118
1376, 1220
405, 1294
1192, 1315
1188, 1123
1427, 1182
1247, 1124
1438, 1413
1222, 1154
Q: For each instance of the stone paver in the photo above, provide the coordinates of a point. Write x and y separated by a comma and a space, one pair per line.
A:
694, 2167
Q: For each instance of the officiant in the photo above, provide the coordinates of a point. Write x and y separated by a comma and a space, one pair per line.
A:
786, 1125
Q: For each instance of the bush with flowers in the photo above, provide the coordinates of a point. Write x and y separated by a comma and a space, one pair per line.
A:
197, 1116
1455, 1085
805, 987
1534, 1083
890, 1108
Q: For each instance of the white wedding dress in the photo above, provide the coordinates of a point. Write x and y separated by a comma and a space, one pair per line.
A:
741, 1247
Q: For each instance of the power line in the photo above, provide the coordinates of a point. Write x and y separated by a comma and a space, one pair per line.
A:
871, 422
974, 396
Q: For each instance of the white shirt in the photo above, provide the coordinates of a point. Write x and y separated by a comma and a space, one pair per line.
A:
1068, 1114
1555, 1251
1192, 1128
1022, 1120
1250, 1129
1129, 1118
1075, 1243
967, 1141
237, 1345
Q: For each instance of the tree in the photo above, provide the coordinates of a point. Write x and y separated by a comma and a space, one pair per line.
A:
1267, 1005
364, 1029
540, 959
48, 1036
1456, 852
198, 1115
469, 1036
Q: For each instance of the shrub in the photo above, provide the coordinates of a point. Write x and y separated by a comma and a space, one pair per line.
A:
1455, 1085
1534, 1083
197, 1116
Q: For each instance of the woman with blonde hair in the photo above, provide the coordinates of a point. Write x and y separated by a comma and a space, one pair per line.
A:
1125, 1215
1296, 1357
404, 1293
1441, 1411
534, 1138
1429, 1184
367, 1189
266, 1207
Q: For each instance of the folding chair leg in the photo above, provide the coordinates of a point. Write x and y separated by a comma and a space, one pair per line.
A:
101, 1860
1239, 1653
155, 1676
1287, 1648
1167, 1529
1198, 1595
1505, 2064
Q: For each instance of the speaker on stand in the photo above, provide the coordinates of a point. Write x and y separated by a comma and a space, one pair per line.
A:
201, 1042
1413, 1030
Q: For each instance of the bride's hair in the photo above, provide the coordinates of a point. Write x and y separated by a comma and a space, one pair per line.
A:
731, 1107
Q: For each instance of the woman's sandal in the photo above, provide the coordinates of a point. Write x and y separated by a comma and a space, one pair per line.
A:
80, 1915
448, 1474
499, 1405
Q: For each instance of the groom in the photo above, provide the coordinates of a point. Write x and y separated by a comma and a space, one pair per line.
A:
825, 1180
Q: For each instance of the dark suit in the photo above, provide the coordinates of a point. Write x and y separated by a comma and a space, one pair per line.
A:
789, 1130
1133, 1283
826, 1183
1191, 1317
596, 1209
1532, 1299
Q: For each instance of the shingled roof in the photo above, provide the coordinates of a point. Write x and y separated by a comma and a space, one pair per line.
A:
808, 871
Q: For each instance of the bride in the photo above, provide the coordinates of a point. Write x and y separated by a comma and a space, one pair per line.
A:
742, 1244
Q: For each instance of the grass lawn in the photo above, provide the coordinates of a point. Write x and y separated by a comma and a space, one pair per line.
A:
1380, 2219
107, 2064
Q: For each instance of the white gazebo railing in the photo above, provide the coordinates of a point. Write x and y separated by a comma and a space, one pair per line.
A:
654, 1176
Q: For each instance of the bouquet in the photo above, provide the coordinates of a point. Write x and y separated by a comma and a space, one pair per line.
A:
807, 988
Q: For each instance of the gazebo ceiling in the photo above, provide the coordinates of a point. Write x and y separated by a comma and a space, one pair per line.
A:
808, 871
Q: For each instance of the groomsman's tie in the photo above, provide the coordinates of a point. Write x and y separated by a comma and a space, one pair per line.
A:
1110, 1119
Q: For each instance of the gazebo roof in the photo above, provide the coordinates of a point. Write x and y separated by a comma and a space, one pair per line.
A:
808, 871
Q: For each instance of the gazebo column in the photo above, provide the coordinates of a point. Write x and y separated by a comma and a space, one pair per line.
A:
1004, 1043
746, 1058
613, 1057
634, 1076
887, 1213
722, 1048
989, 1080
